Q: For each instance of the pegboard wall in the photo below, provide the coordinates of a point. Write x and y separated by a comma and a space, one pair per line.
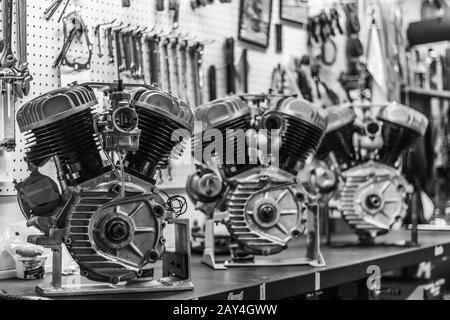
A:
211, 24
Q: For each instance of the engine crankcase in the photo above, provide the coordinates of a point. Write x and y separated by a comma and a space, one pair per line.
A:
266, 211
115, 239
373, 198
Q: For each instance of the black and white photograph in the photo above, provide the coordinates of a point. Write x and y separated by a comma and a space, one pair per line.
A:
295, 11
223, 159
255, 22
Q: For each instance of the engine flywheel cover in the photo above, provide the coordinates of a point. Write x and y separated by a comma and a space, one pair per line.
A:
373, 198
113, 239
265, 213
125, 231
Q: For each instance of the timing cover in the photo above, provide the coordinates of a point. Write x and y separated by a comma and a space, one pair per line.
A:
373, 198
113, 239
265, 213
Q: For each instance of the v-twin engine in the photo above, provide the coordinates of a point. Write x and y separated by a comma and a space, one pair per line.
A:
364, 146
108, 212
266, 205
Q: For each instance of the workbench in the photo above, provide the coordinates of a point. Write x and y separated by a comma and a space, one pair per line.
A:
344, 265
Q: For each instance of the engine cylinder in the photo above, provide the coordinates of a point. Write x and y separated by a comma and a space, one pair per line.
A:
304, 128
339, 137
300, 124
160, 116
231, 113
60, 124
402, 127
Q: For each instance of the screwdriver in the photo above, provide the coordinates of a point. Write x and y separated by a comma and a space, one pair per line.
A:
50, 11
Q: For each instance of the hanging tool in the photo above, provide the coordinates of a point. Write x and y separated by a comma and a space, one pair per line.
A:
131, 46
63, 12
303, 82
51, 10
312, 31
315, 74
139, 54
99, 37
353, 22
196, 52
201, 74
118, 38
125, 39
397, 36
160, 5
326, 29
279, 37
212, 81
8, 75
279, 80
134, 54
329, 52
336, 20
176, 65
79, 29
8, 59
229, 61
174, 8
22, 88
109, 37
153, 45
244, 67
183, 47
304, 86
165, 47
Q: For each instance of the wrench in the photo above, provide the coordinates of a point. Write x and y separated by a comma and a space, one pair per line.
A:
132, 45
139, 55
22, 87
8, 59
97, 33
110, 38
184, 69
168, 67
176, 65
126, 45
196, 56
201, 72
8, 75
99, 41
63, 12
8, 111
135, 56
50, 11
154, 58
119, 50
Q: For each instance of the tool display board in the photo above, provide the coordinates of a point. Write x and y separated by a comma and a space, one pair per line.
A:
211, 24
